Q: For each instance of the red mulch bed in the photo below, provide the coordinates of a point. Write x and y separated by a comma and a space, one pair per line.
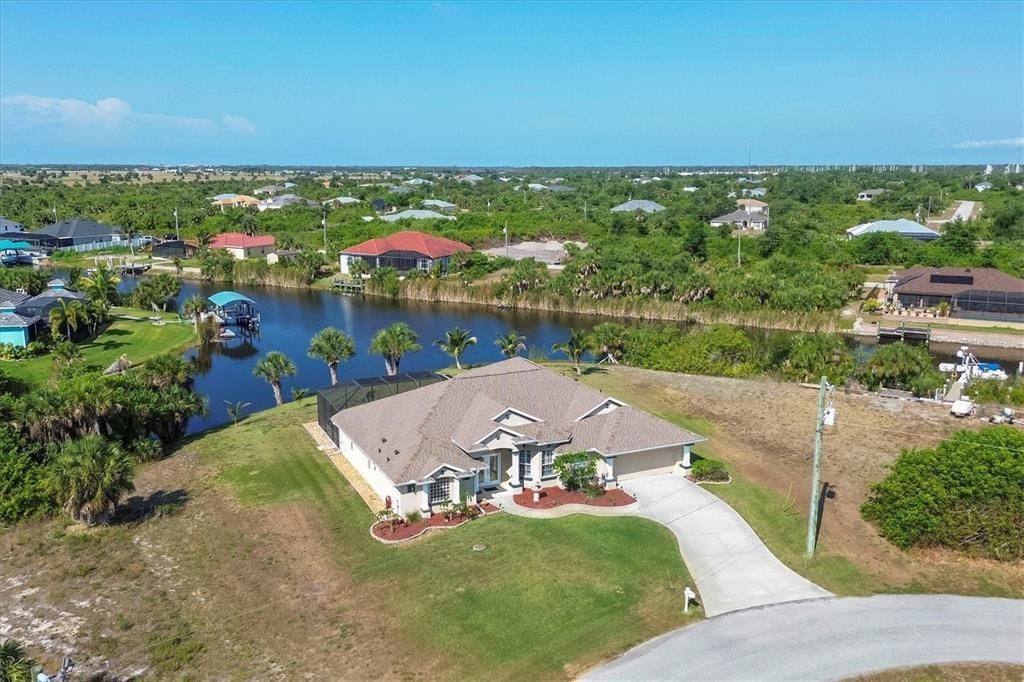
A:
403, 530
556, 497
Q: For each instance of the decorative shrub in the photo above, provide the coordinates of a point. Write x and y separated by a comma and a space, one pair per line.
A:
709, 470
966, 494
576, 470
413, 517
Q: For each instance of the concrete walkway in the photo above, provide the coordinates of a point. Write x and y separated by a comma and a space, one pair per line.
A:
828, 639
731, 566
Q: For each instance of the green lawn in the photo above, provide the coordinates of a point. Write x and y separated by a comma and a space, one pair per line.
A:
138, 339
546, 596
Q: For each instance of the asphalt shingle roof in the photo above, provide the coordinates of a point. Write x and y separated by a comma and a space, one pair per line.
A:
633, 205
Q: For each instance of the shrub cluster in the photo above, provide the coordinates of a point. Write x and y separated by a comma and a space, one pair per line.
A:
709, 470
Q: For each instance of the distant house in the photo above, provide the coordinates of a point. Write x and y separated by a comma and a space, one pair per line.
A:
235, 201
381, 206
285, 200
242, 246
10, 226
752, 205
282, 256
77, 232
634, 205
690, 189
440, 205
742, 219
228, 195
269, 190
175, 248
342, 201
974, 293
560, 189
983, 186
471, 178
870, 194
901, 226
537, 187
404, 251
417, 182
415, 214
755, 192
400, 189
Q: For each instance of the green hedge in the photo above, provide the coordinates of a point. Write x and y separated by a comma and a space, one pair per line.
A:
709, 470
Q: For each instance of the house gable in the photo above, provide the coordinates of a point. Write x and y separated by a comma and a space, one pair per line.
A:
513, 417
604, 407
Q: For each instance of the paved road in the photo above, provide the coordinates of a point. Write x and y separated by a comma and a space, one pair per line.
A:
831, 638
731, 566
964, 210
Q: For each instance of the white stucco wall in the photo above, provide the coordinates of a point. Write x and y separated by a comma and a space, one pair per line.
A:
368, 469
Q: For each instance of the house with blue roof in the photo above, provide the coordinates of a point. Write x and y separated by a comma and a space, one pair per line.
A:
902, 226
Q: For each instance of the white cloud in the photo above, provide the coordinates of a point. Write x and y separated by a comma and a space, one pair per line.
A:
1004, 143
239, 124
109, 114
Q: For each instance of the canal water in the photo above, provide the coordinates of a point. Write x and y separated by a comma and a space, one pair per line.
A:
290, 317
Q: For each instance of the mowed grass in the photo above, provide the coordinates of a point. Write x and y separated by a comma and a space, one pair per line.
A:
137, 339
546, 598
776, 520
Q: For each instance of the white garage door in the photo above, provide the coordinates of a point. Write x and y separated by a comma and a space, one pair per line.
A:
646, 463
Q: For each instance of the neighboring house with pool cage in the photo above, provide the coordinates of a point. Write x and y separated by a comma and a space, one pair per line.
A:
498, 428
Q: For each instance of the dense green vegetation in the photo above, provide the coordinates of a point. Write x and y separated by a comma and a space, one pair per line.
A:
996, 392
966, 494
802, 263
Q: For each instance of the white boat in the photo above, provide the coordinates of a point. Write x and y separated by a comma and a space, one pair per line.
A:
962, 408
226, 334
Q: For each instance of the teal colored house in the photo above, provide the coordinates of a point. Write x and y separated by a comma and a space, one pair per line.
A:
17, 329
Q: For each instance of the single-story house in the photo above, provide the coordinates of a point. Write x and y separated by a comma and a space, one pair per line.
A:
381, 206
79, 231
499, 427
235, 201
537, 187
15, 328
404, 251
342, 201
42, 303
690, 189
755, 192
560, 189
471, 178
983, 186
399, 189
282, 256
752, 205
226, 195
269, 190
275, 203
243, 246
440, 205
634, 205
415, 214
175, 248
416, 182
974, 293
870, 194
900, 226
7, 225
742, 219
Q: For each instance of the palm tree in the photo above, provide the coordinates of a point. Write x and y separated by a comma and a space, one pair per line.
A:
195, 306
575, 346
332, 346
88, 478
101, 285
248, 224
609, 340
273, 369
235, 410
15, 663
67, 315
298, 393
511, 343
455, 343
166, 370
394, 342
66, 353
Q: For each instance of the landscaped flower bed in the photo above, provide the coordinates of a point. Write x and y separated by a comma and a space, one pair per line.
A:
557, 497
395, 529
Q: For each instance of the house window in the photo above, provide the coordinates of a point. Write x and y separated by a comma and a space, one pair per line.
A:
525, 465
547, 463
439, 490
424, 264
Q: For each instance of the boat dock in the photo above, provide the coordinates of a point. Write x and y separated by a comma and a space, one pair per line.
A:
905, 333
347, 287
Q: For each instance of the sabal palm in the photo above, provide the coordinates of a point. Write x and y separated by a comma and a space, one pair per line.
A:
101, 285
235, 410
88, 478
575, 346
66, 353
67, 315
455, 343
393, 343
166, 370
194, 307
511, 343
273, 369
332, 346
608, 339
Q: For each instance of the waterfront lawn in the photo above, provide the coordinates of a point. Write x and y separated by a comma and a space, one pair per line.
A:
137, 339
544, 599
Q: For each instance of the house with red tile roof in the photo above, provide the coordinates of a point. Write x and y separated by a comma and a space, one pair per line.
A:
404, 251
243, 246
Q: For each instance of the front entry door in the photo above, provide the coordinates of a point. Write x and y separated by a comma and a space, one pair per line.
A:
491, 475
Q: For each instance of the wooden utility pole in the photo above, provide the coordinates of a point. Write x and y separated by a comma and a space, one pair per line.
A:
824, 414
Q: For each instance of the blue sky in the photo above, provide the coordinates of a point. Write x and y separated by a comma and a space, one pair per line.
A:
511, 83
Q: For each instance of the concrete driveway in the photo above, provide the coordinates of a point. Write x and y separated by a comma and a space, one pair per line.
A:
831, 638
731, 566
